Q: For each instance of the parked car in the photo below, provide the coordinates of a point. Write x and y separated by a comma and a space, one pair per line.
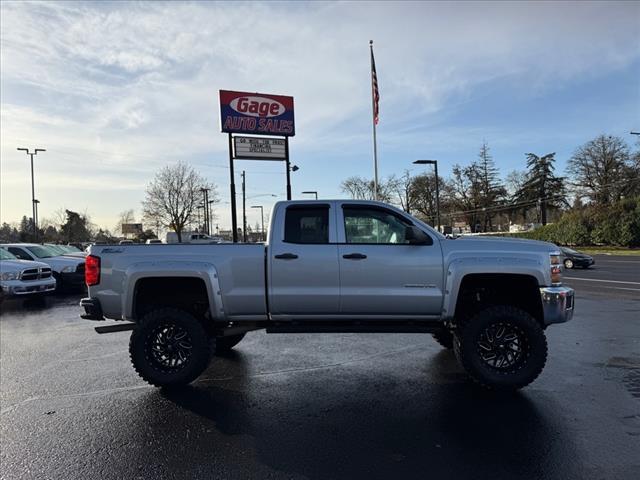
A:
153, 240
66, 250
572, 258
20, 278
68, 271
334, 266
192, 237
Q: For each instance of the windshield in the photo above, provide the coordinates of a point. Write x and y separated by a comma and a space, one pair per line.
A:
4, 255
56, 248
41, 251
70, 248
568, 250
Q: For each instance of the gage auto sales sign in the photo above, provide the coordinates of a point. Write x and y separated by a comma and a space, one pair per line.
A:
256, 113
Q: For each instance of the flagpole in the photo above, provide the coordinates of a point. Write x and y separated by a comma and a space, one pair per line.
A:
373, 121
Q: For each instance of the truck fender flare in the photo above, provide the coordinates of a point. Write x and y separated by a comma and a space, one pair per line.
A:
457, 269
205, 271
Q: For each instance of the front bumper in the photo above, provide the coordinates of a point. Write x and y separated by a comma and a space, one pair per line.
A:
72, 280
583, 262
16, 288
557, 304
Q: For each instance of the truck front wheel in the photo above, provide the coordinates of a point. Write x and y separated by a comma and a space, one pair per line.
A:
169, 348
501, 347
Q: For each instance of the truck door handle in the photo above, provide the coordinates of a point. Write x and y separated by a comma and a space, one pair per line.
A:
286, 256
354, 256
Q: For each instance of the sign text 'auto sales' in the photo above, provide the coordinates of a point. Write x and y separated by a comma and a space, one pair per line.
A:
256, 113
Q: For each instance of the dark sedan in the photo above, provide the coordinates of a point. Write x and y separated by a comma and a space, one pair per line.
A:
574, 259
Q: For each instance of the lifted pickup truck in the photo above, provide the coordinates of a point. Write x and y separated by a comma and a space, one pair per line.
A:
334, 266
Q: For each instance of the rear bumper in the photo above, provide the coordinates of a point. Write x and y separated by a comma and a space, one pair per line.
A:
92, 309
557, 304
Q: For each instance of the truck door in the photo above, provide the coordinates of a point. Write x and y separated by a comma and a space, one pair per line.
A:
304, 278
380, 272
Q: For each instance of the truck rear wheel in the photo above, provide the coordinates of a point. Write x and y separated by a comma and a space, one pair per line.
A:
501, 347
169, 348
444, 338
225, 344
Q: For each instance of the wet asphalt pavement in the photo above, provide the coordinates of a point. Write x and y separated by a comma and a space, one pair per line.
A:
339, 406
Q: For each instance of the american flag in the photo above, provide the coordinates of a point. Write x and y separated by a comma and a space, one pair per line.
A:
374, 89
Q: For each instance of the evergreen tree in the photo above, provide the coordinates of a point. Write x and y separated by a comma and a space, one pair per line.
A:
492, 190
541, 189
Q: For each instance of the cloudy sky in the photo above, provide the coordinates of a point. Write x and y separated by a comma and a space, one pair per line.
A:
114, 91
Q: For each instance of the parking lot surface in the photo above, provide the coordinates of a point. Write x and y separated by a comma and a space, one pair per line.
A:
339, 406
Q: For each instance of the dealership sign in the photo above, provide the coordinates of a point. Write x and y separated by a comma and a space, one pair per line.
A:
256, 148
256, 113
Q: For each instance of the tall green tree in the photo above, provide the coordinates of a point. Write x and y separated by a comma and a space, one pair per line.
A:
542, 189
76, 228
492, 190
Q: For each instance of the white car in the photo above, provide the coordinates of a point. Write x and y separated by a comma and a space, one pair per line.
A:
68, 271
22, 277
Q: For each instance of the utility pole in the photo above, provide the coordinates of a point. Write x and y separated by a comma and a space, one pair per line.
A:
262, 217
244, 208
311, 192
33, 190
435, 164
205, 200
209, 202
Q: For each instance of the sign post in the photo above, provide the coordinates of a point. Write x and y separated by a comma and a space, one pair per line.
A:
256, 114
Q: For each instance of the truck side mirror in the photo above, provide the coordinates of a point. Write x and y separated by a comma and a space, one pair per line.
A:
415, 236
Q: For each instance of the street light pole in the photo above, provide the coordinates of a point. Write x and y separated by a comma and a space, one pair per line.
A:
262, 217
244, 208
311, 192
435, 164
35, 221
33, 189
209, 202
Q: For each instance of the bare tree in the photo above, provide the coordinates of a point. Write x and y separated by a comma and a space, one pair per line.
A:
603, 171
173, 196
402, 190
126, 216
363, 189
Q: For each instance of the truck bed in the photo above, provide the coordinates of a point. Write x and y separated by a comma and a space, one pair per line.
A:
234, 272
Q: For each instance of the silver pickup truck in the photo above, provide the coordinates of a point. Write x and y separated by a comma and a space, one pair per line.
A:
333, 266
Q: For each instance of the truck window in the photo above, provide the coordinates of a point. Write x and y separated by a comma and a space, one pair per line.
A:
307, 225
21, 254
373, 225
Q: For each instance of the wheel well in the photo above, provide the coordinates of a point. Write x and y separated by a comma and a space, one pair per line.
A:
478, 291
186, 293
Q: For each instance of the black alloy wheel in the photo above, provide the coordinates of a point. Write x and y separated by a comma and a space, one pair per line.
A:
502, 346
170, 347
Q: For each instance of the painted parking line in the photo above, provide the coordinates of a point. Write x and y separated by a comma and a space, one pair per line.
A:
597, 280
